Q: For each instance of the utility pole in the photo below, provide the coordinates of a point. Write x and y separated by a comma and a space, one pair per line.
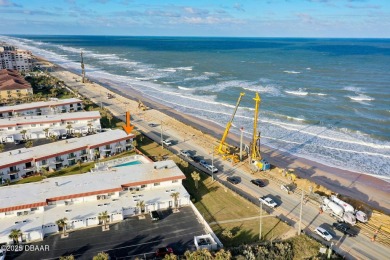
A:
212, 164
82, 68
261, 219
242, 133
162, 144
300, 214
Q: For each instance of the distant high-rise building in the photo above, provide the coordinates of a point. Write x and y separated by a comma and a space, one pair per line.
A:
15, 59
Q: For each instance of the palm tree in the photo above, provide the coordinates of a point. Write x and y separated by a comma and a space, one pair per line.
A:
14, 235
29, 144
141, 205
109, 117
62, 224
69, 127
46, 130
223, 255
104, 217
23, 133
203, 254
101, 256
175, 196
53, 92
2, 147
53, 138
96, 154
195, 176
171, 256
68, 257
44, 172
79, 162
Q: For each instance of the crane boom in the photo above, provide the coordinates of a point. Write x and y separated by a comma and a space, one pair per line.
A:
228, 125
255, 154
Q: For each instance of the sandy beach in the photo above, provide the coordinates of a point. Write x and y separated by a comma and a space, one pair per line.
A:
368, 189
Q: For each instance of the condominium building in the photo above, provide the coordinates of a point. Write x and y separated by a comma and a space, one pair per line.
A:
23, 162
35, 127
15, 59
121, 191
13, 86
53, 106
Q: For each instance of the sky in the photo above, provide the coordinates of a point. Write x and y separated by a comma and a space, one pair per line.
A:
245, 18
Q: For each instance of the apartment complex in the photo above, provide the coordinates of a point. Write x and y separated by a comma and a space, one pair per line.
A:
34, 208
35, 127
53, 106
23, 162
13, 86
15, 59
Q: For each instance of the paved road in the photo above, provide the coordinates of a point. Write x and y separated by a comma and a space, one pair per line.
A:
354, 248
125, 240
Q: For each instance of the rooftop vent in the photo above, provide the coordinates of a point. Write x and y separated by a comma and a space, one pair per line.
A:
155, 167
56, 183
20, 151
166, 167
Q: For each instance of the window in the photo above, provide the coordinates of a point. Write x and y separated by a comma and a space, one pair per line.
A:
144, 186
156, 184
175, 181
34, 209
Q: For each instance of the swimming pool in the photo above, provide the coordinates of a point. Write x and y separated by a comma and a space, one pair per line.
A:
129, 163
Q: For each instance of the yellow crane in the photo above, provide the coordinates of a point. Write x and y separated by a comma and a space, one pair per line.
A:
223, 148
255, 156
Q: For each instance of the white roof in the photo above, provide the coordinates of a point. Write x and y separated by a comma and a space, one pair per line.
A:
25, 120
51, 149
28, 106
114, 178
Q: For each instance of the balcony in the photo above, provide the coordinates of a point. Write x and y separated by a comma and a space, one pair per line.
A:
106, 149
58, 161
13, 171
71, 156
29, 169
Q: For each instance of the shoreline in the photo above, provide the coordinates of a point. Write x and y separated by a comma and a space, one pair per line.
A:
366, 188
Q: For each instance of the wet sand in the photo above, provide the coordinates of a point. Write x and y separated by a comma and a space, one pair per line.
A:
368, 189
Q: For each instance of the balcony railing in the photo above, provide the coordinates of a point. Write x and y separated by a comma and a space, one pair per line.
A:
71, 156
58, 160
13, 171
30, 168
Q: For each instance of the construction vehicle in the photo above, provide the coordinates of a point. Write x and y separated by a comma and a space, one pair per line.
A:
223, 149
360, 215
289, 174
142, 106
257, 162
337, 212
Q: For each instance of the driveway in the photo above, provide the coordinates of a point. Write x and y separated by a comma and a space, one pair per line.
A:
125, 240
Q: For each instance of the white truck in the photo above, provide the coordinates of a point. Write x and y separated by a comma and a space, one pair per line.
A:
360, 215
338, 212
268, 201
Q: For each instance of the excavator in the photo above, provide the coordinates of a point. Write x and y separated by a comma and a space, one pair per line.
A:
257, 162
223, 149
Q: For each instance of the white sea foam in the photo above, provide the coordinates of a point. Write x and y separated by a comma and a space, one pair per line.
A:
362, 97
211, 74
319, 94
183, 88
201, 77
269, 89
291, 72
297, 93
353, 89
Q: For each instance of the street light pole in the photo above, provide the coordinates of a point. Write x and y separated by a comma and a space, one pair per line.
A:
162, 145
261, 219
300, 214
212, 164
242, 133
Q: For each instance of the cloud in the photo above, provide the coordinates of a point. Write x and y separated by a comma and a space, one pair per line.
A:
8, 3
239, 7
195, 11
306, 18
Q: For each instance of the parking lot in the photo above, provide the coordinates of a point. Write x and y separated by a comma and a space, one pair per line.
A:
125, 240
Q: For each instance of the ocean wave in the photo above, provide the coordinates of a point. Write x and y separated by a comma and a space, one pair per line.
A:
291, 72
211, 74
362, 97
269, 89
352, 88
319, 94
202, 77
183, 88
297, 93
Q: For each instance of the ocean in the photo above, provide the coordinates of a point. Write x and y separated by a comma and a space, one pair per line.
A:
326, 100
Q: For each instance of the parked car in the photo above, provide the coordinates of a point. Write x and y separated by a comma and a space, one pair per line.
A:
258, 182
268, 201
195, 158
322, 232
164, 251
211, 168
233, 179
167, 142
345, 228
185, 153
154, 215
64, 136
203, 163
2, 254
